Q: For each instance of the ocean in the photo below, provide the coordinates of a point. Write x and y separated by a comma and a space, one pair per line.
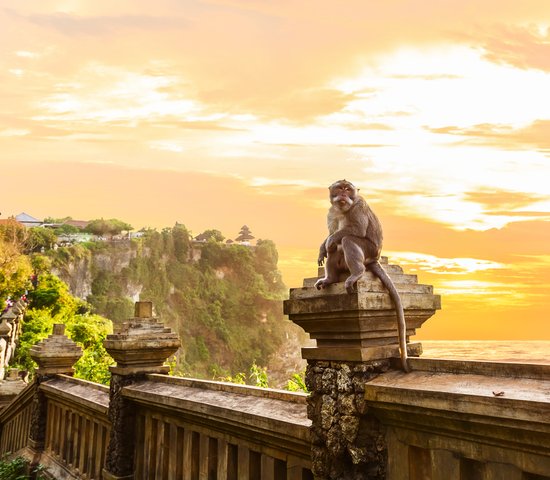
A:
519, 351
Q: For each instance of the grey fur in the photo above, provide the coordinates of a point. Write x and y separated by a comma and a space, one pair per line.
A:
354, 244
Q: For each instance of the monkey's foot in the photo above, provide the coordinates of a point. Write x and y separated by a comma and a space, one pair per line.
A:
351, 282
322, 283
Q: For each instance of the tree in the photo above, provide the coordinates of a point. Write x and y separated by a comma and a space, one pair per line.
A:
210, 235
50, 303
12, 232
66, 229
89, 331
39, 238
110, 227
182, 241
57, 220
15, 268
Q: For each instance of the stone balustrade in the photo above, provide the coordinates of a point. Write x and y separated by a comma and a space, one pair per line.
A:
10, 329
148, 425
446, 420
11, 382
364, 419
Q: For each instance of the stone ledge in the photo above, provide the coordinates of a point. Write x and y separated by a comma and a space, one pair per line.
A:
230, 413
228, 404
294, 397
359, 354
88, 395
480, 367
524, 399
457, 415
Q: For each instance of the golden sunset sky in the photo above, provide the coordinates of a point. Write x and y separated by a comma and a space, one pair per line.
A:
221, 113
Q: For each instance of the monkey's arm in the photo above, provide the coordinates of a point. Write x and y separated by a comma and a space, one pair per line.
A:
356, 225
332, 224
322, 253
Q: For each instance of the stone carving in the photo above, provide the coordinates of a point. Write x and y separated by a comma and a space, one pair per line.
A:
139, 347
347, 443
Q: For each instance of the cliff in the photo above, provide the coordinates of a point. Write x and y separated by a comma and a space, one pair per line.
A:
225, 301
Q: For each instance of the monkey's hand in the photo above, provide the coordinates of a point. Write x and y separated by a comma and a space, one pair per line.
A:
322, 255
331, 244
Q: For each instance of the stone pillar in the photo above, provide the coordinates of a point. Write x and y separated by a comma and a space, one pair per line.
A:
139, 347
8, 322
10, 329
55, 355
5, 336
357, 339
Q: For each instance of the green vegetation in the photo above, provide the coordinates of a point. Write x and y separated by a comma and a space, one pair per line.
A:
15, 267
110, 227
223, 300
297, 383
18, 469
51, 302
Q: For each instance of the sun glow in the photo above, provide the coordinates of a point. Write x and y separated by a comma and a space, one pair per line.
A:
448, 266
440, 117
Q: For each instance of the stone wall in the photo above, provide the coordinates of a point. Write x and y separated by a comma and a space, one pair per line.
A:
347, 442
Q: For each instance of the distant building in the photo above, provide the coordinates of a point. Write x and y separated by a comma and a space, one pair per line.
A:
28, 220
70, 238
245, 236
201, 238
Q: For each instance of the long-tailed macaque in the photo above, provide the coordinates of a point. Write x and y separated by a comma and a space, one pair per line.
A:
354, 244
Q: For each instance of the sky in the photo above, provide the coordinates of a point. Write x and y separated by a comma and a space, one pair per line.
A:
221, 113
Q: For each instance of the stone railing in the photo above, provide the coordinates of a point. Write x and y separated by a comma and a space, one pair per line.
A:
446, 420
365, 419
453, 420
10, 329
11, 380
148, 425
220, 431
77, 427
15, 422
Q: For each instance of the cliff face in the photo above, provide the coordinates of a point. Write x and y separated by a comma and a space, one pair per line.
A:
79, 267
78, 275
225, 303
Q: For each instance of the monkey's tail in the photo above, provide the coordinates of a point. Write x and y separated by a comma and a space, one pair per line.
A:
377, 269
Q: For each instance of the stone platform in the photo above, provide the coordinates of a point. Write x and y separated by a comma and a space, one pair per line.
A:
363, 325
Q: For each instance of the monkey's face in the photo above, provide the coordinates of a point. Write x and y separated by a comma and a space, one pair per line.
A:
342, 195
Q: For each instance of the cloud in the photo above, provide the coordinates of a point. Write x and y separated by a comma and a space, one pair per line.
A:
14, 132
75, 25
519, 46
448, 266
294, 105
502, 202
535, 135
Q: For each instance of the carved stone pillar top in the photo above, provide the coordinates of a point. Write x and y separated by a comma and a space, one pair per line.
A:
363, 325
19, 307
142, 344
56, 354
9, 316
5, 328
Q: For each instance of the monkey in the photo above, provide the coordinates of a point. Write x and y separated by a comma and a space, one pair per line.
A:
354, 244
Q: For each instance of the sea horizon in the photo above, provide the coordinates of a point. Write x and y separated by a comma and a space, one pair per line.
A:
522, 351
